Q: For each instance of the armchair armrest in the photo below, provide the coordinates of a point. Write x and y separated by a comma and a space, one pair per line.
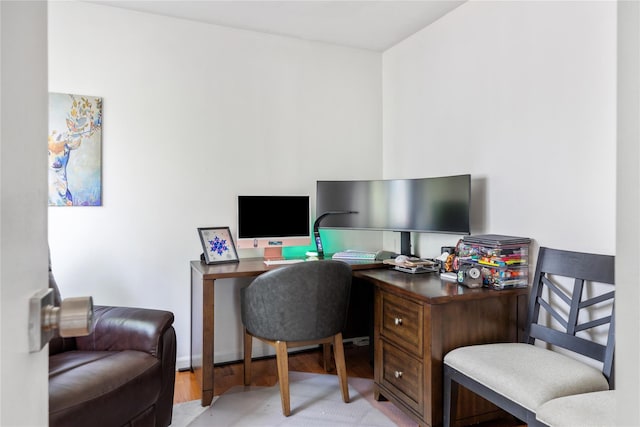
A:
127, 328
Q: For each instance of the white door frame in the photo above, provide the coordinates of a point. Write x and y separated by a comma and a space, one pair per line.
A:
23, 201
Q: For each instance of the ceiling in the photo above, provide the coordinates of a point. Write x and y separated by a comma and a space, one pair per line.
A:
373, 25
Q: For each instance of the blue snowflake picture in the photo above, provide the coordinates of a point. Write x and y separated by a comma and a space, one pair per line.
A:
217, 245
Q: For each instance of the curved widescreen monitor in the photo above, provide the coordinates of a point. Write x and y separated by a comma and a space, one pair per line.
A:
273, 222
434, 205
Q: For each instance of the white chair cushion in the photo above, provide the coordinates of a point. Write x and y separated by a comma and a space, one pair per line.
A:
524, 373
580, 410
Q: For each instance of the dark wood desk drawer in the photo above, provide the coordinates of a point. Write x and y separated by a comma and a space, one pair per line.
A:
402, 322
403, 376
434, 317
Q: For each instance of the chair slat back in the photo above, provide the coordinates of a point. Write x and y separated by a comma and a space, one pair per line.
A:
583, 268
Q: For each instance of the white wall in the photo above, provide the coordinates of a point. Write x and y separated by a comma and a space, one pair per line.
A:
23, 220
522, 95
194, 115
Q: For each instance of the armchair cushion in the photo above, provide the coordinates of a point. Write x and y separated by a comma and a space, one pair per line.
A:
122, 374
102, 388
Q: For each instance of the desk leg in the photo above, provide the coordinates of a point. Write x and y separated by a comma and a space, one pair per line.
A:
207, 341
377, 347
202, 330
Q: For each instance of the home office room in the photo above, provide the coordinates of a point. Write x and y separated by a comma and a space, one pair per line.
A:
535, 101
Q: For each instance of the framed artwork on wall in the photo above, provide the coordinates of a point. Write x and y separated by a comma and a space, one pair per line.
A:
217, 245
75, 148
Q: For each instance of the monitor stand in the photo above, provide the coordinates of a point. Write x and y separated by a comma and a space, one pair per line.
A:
405, 243
273, 253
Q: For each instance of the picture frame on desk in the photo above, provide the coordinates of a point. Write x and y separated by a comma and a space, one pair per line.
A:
217, 245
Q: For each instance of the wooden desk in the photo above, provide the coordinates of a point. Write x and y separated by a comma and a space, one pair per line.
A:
417, 320
203, 278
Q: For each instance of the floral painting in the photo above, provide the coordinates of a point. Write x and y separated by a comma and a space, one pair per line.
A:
75, 150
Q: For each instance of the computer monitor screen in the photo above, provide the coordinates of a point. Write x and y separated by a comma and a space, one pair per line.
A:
434, 205
273, 222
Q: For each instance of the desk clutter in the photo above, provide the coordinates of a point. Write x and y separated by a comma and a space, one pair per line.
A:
412, 264
485, 260
494, 261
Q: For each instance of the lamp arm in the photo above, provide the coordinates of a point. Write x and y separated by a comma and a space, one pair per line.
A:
316, 229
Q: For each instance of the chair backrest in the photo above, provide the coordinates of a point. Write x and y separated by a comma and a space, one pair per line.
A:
298, 302
582, 268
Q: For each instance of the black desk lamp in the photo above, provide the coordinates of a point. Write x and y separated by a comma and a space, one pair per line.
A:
316, 231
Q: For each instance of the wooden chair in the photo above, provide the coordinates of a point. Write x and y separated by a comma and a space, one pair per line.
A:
298, 305
519, 377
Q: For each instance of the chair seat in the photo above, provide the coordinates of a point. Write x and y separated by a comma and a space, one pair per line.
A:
524, 373
581, 410
115, 384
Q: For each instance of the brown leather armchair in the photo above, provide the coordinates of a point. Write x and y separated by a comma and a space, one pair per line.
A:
122, 374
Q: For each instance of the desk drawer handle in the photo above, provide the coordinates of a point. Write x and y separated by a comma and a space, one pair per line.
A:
398, 374
397, 321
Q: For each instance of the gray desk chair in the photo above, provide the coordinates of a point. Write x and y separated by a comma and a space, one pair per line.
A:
519, 377
297, 305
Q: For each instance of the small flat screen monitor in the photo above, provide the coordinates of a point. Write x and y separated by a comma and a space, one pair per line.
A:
273, 222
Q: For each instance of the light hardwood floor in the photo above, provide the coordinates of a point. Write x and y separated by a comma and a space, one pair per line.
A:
264, 372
